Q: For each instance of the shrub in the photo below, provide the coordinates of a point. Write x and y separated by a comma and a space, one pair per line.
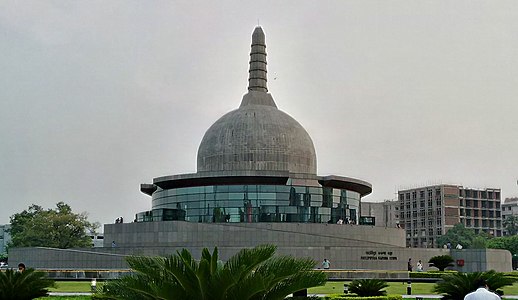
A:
29, 284
250, 274
431, 274
349, 297
456, 286
441, 262
368, 287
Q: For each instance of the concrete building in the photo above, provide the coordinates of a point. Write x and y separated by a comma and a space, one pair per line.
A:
509, 208
429, 212
5, 237
256, 183
255, 164
385, 213
97, 240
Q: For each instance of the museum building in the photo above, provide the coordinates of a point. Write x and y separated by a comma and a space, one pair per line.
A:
256, 164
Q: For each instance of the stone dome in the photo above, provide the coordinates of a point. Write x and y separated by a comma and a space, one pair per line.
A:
257, 137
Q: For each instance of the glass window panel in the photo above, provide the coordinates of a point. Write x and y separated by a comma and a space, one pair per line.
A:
221, 188
267, 196
236, 188
234, 196
282, 188
267, 188
314, 190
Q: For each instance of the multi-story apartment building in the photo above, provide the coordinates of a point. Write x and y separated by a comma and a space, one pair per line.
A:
386, 213
429, 212
509, 208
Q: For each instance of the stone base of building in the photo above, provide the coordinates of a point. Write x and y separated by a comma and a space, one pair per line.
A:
349, 247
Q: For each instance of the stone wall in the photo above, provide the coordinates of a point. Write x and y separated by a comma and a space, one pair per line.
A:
349, 247
186, 234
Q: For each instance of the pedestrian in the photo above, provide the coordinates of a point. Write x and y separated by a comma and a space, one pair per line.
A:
410, 266
419, 266
21, 267
482, 293
326, 264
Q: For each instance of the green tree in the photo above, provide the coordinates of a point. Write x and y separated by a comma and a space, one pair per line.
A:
250, 274
511, 224
441, 262
466, 237
368, 287
457, 285
57, 228
29, 284
505, 242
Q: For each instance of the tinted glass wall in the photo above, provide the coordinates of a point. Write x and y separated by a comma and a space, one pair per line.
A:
254, 203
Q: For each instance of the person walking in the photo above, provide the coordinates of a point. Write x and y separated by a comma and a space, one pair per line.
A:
409, 265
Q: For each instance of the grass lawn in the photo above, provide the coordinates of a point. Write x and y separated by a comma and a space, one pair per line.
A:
73, 286
334, 287
337, 287
67, 298
331, 287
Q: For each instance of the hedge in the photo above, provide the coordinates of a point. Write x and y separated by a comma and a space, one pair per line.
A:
351, 297
430, 274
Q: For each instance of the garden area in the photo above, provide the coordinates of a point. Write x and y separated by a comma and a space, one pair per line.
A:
254, 274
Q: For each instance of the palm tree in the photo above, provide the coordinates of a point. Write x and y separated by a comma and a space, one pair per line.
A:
29, 284
368, 287
254, 274
458, 285
441, 262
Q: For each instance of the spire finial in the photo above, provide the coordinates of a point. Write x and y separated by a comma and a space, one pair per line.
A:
257, 73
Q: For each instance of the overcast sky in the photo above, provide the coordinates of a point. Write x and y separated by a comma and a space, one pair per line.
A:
98, 97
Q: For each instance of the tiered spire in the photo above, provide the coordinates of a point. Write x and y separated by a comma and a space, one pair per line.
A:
257, 73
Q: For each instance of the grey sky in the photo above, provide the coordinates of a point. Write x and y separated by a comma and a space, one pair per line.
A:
100, 96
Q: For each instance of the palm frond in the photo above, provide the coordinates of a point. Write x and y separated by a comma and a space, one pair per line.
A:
246, 260
458, 285
368, 287
29, 284
297, 282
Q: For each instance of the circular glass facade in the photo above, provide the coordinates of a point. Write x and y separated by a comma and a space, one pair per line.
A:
253, 203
